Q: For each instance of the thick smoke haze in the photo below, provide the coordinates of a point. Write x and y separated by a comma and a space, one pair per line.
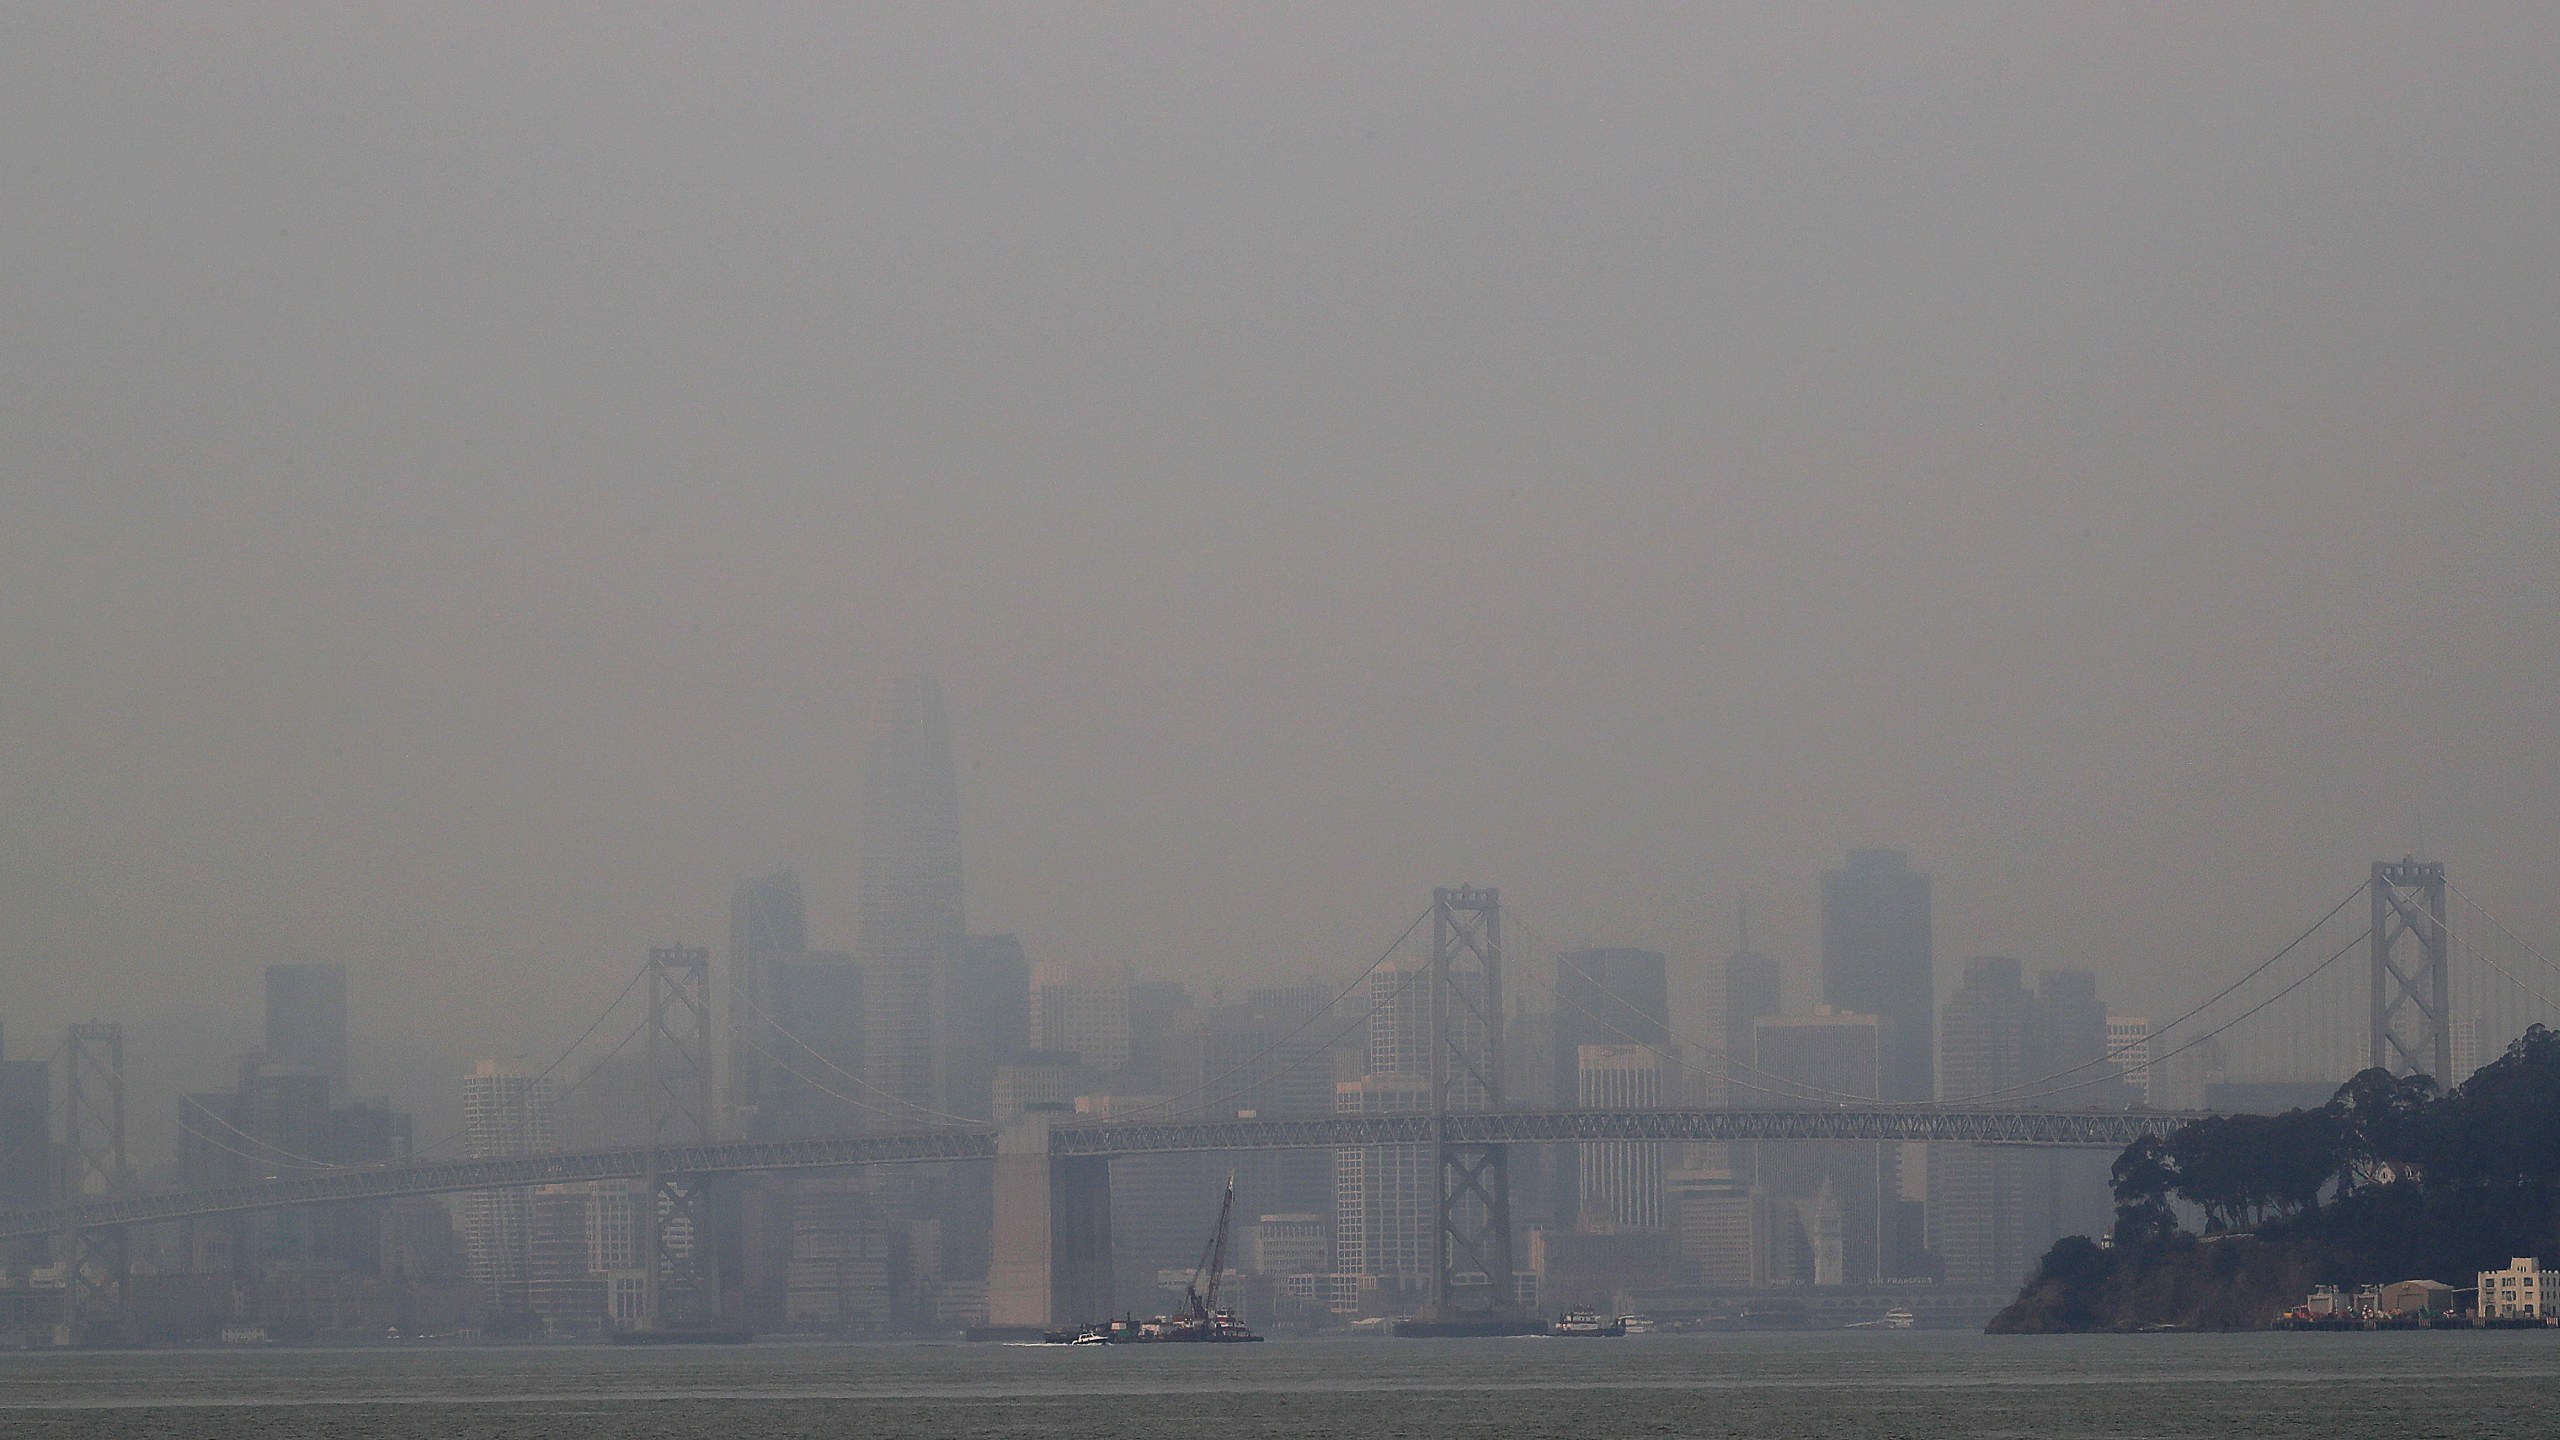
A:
470, 478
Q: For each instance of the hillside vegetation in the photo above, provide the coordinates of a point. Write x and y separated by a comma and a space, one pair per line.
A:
2391, 1180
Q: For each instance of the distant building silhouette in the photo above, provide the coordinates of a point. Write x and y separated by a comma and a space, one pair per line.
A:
908, 906
307, 1021
1751, 990
1603, 997
767, 928
26, 1134
1993, 1212
506, 1110
1877, 960
1831, 1202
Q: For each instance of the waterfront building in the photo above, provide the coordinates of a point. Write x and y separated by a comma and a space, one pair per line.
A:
2525, 1290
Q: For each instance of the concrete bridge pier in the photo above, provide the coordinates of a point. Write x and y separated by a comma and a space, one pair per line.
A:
1051, 1267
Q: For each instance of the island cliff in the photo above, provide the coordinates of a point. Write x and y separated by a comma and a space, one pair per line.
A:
2391, 1180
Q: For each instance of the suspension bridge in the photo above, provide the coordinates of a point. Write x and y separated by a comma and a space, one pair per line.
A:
1051, 1240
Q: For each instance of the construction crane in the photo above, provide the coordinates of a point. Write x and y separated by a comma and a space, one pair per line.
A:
1213, 1263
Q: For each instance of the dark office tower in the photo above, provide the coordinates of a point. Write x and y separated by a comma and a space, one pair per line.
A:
1876, 960
1751, 990
2072, 1048
26, 1153
811, 1089
986, 1017
766, 927
908, 893
307, 1021
1603, 997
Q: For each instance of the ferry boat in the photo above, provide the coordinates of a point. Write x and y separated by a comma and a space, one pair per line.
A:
1900, 1318
1202, 1321
1584, 1324
1638, 1324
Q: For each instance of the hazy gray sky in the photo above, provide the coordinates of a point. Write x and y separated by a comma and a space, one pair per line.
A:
467, 476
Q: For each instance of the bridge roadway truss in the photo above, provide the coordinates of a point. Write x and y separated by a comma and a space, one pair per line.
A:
2110, 1129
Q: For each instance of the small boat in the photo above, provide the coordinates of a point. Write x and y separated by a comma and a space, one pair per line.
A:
1092, 1337
1900, 1318
1587, 1324
1638, 1324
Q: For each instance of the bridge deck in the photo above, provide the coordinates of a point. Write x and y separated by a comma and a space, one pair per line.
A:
2107, 1129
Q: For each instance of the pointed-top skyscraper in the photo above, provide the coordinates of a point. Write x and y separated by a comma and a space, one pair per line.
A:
908, 894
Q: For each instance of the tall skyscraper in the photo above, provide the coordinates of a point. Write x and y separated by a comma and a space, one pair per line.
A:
1978, 1194
26, 1121
1877, 960
908, 895
1993, 1212
506, 1110
307, 1021
767, 928
2129, 1041
819, 1002
1751, 990
1603, 997
1621, 1180
986, 1019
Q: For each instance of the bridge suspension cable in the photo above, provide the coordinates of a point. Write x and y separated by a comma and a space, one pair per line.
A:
562, 1059
2483, 952
2158, 1031
1293, 1031
739, 995
2297, 983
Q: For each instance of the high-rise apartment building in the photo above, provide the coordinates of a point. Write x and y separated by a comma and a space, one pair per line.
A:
908, 908
1877, 960
768, 927
1621, 1180
2129, 1041
307, 1021
506, 1110
1384, 1198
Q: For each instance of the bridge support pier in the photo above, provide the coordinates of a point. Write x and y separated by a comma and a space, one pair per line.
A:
95, 1262
1051, 1267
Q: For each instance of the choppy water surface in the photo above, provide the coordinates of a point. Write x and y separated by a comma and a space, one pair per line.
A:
1775, 1387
